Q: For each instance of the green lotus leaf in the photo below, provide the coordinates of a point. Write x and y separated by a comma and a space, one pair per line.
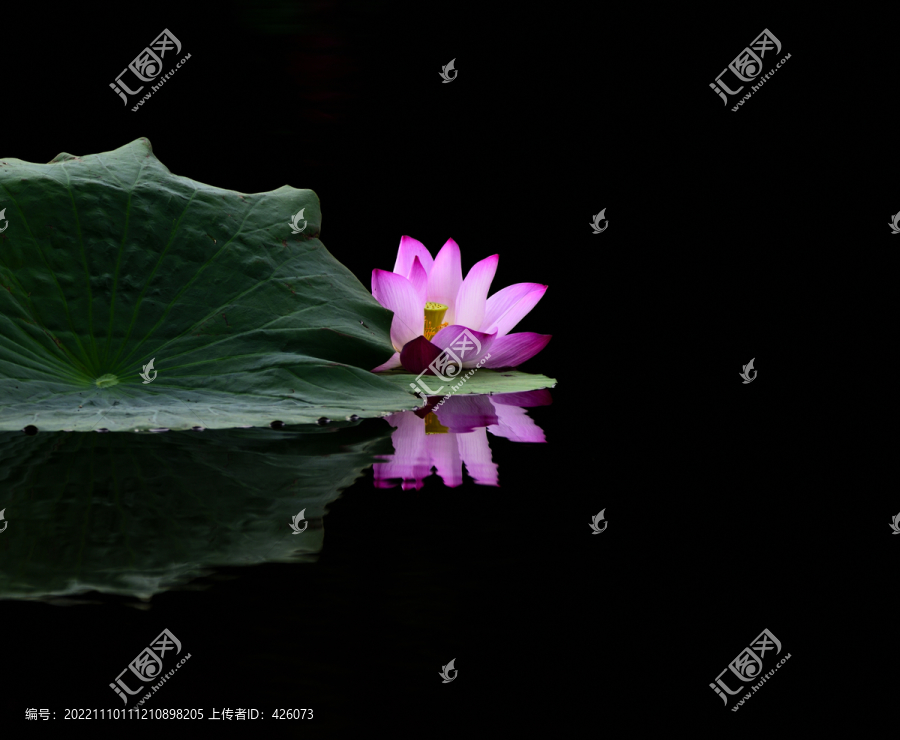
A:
481, 381
109, 263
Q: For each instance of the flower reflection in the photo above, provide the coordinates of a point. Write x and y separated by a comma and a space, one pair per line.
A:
446, 436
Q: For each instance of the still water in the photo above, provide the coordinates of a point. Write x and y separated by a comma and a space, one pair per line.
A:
125, 552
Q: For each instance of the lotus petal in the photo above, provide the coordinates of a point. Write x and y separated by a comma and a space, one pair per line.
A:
472, 295
397, 294
410, 249
514, 349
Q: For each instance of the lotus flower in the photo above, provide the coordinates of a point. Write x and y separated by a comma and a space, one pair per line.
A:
430, 299
455, 432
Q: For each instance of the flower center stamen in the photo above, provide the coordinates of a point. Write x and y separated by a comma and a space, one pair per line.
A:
433, 425
434, 315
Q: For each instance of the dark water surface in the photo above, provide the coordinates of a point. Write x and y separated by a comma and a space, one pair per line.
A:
116, 536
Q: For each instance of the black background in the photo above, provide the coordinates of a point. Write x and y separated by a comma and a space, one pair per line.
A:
733, 235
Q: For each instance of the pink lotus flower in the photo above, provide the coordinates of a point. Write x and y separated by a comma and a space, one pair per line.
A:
446, 436
430, 299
